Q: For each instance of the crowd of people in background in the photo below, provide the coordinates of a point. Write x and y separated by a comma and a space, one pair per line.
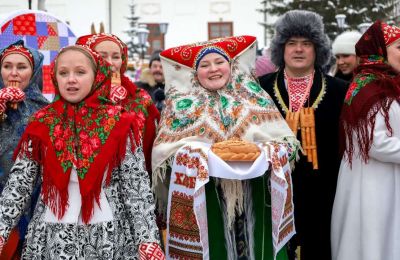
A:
117, 169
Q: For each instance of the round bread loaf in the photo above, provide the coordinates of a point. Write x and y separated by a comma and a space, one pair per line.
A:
236, 150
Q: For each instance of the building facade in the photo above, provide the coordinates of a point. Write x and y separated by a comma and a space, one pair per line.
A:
188, 20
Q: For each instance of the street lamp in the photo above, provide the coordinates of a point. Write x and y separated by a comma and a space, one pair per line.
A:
362, 27
163, 31
142, 34
163, 28
340, 18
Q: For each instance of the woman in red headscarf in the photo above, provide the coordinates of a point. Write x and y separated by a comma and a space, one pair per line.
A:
132, 98
95, 197
366, 211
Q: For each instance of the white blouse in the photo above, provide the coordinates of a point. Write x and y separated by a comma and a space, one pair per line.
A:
73, 212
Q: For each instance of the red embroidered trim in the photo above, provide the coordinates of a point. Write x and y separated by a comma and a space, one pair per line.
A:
299, 90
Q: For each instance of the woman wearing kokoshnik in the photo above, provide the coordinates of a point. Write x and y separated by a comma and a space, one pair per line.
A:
212, 95
126, 93
95, 199
20, 97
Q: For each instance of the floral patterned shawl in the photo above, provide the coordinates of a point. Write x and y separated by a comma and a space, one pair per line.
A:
242, 109
138, 100
90, 136
374, 87
13, 127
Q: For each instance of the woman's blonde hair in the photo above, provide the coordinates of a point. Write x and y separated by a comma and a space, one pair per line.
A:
81, 50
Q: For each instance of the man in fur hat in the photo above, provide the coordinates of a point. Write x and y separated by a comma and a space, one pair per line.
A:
300, 49
152, 80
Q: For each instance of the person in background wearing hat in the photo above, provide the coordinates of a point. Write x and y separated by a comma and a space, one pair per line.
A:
152, 80
343, 47
300, 49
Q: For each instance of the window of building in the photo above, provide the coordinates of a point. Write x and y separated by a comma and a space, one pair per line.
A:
155, 38
219, 29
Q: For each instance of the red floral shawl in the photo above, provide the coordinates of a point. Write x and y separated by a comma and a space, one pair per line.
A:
90, 135
138, 100
374, 87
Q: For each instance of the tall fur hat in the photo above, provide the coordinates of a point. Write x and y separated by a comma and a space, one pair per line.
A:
300, 23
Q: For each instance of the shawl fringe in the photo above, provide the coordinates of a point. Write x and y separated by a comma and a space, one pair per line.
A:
359, 118
233, 194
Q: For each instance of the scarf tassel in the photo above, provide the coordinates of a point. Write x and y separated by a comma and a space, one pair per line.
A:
88, 202
30, 146
363, 129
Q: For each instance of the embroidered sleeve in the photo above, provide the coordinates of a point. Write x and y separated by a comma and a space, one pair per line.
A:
16, 194
138, 198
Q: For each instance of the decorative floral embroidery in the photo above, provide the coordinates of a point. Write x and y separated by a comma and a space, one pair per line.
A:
390, 33
372, 59
358, 83
139, 104
226, 114
183, 221
92, 130
193, 162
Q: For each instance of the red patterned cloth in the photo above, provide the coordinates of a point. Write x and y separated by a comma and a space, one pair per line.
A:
390, 33
25, 25
90, 135
299, 90
118, 93
19, 49
374, 87
8, 249
137, 100
10, 94
91, 40
151, 251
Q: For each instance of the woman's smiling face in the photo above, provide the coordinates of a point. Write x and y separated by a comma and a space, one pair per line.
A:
214, 71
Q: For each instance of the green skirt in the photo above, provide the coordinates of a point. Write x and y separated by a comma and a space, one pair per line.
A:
262, 233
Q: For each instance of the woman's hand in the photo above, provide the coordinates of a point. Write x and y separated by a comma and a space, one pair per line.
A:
150, 251
10, 94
